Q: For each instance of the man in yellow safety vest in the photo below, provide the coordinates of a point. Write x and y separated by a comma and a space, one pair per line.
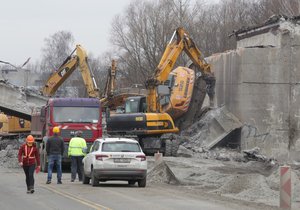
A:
77, 150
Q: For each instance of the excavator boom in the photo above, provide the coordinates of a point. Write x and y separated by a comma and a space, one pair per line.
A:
67, 68
183, 42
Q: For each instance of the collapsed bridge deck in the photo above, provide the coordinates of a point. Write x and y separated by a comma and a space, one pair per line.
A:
19, 101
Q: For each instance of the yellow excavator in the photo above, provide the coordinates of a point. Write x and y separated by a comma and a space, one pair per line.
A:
110, 83
114, 99
169, 96
67, 68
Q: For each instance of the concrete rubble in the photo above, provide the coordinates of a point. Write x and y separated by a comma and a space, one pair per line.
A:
9, 153
217, 127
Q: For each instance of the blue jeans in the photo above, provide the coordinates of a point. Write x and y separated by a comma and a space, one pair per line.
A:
51, 160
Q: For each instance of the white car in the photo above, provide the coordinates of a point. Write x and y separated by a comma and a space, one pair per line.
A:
115, 159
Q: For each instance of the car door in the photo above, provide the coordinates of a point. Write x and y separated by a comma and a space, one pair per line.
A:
88, 160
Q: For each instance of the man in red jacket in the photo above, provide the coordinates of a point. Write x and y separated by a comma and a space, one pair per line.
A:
28, 158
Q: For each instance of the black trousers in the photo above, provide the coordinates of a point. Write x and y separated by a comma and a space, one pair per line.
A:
76, 167
29, 170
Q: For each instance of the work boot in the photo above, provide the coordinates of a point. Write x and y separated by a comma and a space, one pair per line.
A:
31, 190
48, 182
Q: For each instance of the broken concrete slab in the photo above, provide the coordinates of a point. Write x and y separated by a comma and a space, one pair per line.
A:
218, 127
18, 101
184, 152
161, 173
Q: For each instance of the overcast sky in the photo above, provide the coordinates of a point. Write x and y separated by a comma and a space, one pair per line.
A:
26, 23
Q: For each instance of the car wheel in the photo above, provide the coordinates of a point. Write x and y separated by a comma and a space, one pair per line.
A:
85, 179
168, 148
142, 182
131, 182
95, 181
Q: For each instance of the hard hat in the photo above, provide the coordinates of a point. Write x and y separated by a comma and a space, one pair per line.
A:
29, 139
78, 133
56, 129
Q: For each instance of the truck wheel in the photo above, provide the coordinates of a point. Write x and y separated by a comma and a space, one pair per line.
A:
85, 179
95, 181
142, 182
175, 147
168, 148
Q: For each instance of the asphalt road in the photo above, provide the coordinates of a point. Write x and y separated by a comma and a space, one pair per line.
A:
110, 195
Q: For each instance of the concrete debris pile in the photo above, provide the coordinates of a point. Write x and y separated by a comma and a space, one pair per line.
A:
254, 154
161, 173
217, 128
252, 181
260, 188
224, 154
9, 157
9, 153
14, 143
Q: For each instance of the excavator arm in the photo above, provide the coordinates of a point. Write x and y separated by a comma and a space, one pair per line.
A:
110, 81
110, 85
67, 68
183, 42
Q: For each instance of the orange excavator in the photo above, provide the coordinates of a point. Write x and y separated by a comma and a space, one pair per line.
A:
170, 93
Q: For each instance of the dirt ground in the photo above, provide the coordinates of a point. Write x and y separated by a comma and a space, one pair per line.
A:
251, 181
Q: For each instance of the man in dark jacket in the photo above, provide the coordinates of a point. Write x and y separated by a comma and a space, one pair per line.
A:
55, 150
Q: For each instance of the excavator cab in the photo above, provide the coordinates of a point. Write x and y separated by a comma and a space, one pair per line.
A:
135, 104
138, 104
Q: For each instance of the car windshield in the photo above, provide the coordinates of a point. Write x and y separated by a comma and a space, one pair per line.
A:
76, 114
120, 147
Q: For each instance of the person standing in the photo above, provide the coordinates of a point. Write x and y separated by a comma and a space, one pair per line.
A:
29, 158
55, 150
77, 150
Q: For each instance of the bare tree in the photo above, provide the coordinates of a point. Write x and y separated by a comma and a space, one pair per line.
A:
57, 48
142, 33
280, 7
